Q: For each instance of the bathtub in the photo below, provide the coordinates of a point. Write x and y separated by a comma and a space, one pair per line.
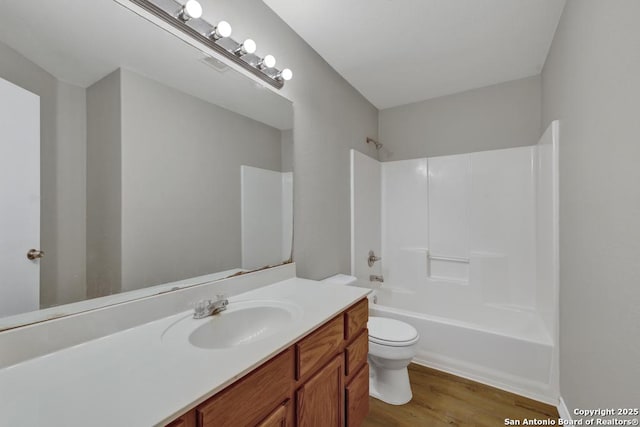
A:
504, 347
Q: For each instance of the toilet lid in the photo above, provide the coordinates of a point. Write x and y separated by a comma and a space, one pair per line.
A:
382, 329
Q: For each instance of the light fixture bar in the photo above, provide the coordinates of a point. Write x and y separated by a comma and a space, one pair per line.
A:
273, 76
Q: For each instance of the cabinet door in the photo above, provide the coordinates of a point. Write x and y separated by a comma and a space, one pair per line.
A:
281, 417
320, 401
358, 398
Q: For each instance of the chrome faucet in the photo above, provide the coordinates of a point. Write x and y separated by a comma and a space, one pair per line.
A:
204, 308
374, 278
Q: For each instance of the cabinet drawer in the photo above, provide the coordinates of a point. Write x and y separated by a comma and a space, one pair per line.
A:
356, 319
356, 353
279, 417
316, 349
357, 398
250, 399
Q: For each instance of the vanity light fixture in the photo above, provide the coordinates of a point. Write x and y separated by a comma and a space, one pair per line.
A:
246, 47
269, 61
215, 37
191, 10
220, 31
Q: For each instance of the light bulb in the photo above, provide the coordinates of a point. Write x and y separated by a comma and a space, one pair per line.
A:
191, 10
248, 46
269, 61
223, 29
285, 74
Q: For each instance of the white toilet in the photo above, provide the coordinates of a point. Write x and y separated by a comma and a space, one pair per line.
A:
392, 346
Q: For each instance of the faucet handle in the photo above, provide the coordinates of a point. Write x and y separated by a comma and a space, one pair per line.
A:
222, 300
200, 307
372, 258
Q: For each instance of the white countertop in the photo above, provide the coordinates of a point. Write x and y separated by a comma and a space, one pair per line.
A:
134, 378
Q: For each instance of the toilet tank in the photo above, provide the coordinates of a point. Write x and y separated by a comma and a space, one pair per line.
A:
341, 279
346, 280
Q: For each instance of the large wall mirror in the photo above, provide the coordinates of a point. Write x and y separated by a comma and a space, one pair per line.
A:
135, 162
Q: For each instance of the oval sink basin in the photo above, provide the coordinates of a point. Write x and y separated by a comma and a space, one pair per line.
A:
244, 322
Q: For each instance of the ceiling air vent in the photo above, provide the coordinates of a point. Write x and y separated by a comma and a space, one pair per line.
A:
215, 64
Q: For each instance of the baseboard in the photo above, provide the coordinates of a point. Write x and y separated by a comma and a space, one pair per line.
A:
563, 410
464, 372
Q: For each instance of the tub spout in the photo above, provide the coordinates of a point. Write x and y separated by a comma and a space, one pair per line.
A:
374, 278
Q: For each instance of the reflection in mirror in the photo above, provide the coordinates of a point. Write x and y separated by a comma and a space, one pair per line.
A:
130, 160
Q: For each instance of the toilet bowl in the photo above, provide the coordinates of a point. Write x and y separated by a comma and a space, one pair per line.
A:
392, 346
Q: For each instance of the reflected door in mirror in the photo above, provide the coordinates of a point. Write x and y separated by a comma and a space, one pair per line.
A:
20, 195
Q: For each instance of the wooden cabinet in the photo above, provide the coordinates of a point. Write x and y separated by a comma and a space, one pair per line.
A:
357, 397
356, 354
319, 347
322, 380
249, 400
355, 319
356, 367
320, 401
281, 417
186, 420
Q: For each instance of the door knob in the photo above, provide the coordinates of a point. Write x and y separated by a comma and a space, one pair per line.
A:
34, 254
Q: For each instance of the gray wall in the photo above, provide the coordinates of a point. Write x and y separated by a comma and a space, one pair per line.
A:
62, 180
591, 82
181, 161
499, 116
286, 148
330, 117
104, 182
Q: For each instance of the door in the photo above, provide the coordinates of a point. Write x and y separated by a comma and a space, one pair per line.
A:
19, 199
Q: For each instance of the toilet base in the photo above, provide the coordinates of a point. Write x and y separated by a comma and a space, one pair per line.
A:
390, 385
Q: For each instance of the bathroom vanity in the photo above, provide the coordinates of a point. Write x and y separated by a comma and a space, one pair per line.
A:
286, 352
323, 379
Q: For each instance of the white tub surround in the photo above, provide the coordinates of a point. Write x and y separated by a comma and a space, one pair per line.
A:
134, 377
469, 247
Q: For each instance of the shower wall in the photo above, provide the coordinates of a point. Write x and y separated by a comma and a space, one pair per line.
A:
466, 220
470, 229
365, 214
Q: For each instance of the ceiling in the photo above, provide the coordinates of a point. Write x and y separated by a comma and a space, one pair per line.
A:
397, 52
80, 42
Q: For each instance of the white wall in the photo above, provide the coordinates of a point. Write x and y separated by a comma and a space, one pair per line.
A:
330, 117
503, 222
405, 230
591, 82
499, 116
104, 186
547, 226
477, 206
164, 183
266, 217
181, 160
449, 215
365, 214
